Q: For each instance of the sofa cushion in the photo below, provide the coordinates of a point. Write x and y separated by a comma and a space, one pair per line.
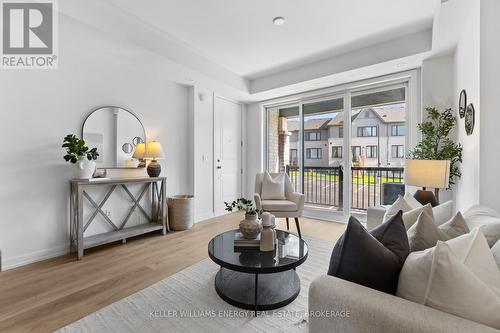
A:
273, 188
458, 277
279, 205
410, 217
425, 233
373, 259
486, 218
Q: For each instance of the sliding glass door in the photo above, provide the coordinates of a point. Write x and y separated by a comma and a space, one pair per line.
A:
345, 152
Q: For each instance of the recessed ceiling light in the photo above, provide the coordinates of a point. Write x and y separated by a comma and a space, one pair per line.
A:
401, 65
279, 20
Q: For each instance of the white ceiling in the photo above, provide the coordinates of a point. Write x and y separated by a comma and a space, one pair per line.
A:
239, 35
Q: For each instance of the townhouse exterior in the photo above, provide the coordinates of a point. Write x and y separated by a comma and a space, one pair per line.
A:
377, 139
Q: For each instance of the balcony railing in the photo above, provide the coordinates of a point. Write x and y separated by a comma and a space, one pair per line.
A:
324, 185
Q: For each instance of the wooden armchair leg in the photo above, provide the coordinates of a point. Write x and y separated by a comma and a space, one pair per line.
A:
287, 224
298, 226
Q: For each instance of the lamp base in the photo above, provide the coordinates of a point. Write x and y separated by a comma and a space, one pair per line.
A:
154, 169
425, 197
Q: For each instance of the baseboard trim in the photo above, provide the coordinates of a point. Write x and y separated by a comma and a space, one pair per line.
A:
33, 257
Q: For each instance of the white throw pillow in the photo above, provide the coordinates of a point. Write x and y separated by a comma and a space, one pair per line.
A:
273, 189
496, 253
457, 277
399, 204
443, 212
411, 217
487, 219
411, 201
455, 227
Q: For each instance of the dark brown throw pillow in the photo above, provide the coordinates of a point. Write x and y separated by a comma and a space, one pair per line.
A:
372, 259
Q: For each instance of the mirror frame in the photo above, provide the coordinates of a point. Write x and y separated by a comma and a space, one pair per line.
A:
118, 107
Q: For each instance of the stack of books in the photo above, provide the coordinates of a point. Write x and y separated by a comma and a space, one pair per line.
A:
241, 242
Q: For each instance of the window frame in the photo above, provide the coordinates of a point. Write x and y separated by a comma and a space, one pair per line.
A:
360, 131
317, 136
371, 148
338, 150
318, 156
397, 151
397, 132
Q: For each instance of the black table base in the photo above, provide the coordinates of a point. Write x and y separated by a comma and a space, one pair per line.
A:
257, 292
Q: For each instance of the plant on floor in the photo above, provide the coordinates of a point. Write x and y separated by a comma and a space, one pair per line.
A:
76, 149
436, 143
242, 204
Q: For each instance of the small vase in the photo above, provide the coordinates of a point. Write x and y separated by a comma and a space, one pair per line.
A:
84, 169
250, 227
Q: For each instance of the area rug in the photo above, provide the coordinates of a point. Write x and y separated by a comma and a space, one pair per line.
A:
188, 302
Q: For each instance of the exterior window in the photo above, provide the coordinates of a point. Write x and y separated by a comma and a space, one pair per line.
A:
313, 136
341, 132
314, 153
371, 151
367, 131
356, 152
397, 151
398, 130
293, 157
336, 152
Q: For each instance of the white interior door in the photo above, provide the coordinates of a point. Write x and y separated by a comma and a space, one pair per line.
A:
227, 152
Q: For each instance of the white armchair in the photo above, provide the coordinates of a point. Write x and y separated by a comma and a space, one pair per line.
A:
292, 206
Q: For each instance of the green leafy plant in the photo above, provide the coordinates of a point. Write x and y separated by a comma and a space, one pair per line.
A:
242, 204
76, 149
436, 143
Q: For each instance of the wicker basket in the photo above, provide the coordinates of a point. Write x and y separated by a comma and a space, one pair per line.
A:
180, 212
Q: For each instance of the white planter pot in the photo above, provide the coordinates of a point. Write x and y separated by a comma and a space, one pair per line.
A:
83, 169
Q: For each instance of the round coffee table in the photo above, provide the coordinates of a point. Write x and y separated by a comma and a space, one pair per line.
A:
254, 280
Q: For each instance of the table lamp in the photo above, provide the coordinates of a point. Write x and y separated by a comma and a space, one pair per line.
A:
140, 148
154, 152
427, 173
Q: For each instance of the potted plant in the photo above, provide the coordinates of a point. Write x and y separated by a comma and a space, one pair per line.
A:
437, 144
250, 227
80, 155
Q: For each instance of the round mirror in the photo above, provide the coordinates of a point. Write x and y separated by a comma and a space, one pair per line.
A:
115, 132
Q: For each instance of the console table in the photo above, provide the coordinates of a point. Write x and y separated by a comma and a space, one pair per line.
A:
78, 192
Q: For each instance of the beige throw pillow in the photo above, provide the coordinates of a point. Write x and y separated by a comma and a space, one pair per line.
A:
410, 217
425, 233
273, 189
496, 253
458, 277
443, 212
411, 201
399, 204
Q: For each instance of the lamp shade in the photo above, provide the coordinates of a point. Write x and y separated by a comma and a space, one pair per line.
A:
140, 148
427, 173
154, 150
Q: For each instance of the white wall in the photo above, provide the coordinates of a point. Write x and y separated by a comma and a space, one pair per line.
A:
488, 111
39, 107
467, 76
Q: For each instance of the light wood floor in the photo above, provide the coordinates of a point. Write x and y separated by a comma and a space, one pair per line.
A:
48, 295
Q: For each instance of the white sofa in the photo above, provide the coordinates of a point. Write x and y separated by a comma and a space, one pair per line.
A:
337, 305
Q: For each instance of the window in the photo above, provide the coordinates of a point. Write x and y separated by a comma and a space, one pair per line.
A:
313, 153
336, 152
398, 130
341, 132
371, 151
356, 152
293, 156
313, 136
367, 131
397, 151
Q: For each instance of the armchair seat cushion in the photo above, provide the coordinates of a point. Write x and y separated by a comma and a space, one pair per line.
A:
279, 205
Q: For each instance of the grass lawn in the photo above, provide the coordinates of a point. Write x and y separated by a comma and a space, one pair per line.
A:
358, 177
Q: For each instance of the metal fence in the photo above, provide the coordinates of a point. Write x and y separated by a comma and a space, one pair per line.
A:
324, 185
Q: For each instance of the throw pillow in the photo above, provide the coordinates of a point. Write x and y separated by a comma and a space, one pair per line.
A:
424, 233
456, 277
273, 189
411, 201
487, 219
455, 227
373, 259
410, 217
399, 204
443, 212
496, 253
